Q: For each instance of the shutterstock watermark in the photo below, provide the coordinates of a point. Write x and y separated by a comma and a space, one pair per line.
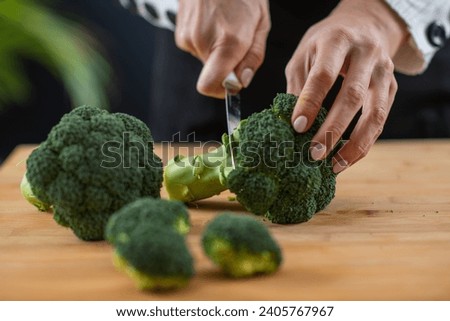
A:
127, 153
266, 151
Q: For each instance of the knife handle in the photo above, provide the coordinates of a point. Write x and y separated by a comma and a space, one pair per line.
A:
232, 83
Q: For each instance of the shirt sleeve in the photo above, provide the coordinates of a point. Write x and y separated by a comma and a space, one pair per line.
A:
428, 22
161, 13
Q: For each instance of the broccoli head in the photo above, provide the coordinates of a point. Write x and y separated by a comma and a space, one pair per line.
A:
155, 257
241, 245
274, 174
147, 211
92, 163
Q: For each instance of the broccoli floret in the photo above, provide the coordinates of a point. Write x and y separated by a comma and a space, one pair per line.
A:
241, 245
143, 211
28, 194
274, 174
92, 163
247, 183
155, 257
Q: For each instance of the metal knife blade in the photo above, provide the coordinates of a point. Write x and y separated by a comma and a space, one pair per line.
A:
233, 107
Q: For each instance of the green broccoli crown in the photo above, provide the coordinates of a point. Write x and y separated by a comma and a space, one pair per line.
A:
241, 245
91, 164
143, 211
274, 174
286, 185
155, 257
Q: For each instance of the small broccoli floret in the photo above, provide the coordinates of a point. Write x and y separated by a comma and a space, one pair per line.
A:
28, 194
92, 163
282, 106
274, 174
241, 245
156, 258
147, 211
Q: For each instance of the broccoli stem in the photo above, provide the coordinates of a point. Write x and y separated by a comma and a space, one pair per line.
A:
197, 177
28, 194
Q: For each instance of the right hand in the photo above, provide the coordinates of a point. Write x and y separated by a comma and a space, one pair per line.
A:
226, 35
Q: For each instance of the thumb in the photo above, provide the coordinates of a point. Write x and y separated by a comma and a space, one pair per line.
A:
219, 64
242, 59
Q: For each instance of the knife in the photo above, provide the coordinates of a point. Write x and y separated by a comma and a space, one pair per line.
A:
232, 107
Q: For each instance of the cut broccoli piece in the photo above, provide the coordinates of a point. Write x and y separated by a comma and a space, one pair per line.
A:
241, 245
92, 163
274, 174
147, 211
155, 257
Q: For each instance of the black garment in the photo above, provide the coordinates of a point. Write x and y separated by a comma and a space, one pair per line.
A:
422, 105
155, 81
421, 108
177, 109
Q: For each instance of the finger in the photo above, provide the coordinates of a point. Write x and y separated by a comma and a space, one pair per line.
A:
183, 29
190, 32
221, 61
255, 55
370, 124
188, 41
320, 79
392, 91
296, 75
189, 47
348, 102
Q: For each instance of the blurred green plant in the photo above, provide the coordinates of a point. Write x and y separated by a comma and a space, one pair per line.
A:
32, 30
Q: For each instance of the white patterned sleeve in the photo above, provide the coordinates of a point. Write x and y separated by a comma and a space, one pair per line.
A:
161, 13
428, 22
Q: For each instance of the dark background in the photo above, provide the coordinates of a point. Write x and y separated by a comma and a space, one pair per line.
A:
421, 108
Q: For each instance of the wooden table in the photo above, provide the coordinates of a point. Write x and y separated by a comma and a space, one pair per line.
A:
385, 236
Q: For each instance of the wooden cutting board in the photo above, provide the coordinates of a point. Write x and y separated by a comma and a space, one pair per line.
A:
385, 236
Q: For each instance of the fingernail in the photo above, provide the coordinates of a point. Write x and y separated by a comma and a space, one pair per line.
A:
318, 151
300, 124
340, 166
246, 77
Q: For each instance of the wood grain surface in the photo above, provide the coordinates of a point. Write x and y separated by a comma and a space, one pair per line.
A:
385, 236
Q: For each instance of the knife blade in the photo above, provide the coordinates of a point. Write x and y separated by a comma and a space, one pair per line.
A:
232, 107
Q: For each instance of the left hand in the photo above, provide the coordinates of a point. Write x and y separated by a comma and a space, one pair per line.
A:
357, 41
226, 35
